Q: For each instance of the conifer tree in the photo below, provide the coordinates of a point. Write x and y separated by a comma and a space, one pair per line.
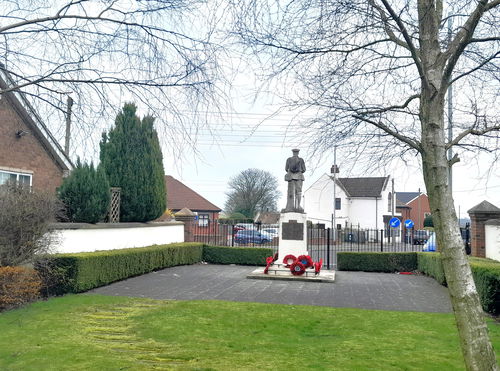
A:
132, 159
85, 194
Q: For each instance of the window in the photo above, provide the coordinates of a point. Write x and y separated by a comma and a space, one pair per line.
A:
338, 203
6, 176
203, 220
389, 202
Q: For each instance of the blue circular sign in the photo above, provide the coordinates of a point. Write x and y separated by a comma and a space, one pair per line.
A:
409, 223
394, 222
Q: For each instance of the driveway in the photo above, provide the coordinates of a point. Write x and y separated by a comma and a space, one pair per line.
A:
228, 282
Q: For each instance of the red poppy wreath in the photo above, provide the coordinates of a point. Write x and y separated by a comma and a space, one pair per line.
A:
297, 268
289, 260
305, 260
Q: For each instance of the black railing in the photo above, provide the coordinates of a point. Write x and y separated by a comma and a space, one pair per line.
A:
322, 243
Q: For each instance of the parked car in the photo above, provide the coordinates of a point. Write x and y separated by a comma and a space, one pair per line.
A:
273, 232
420, 237
242, 226
251, 236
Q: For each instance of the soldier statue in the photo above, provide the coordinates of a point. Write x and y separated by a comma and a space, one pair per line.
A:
295, 168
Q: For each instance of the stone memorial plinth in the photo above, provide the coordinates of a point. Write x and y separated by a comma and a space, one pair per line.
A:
293, 235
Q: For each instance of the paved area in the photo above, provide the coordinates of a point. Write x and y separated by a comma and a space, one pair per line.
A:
228, 282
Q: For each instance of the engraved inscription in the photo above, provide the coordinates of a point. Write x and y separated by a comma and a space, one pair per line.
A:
293, 231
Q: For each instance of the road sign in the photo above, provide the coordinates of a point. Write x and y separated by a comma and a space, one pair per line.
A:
409, 223
394, 222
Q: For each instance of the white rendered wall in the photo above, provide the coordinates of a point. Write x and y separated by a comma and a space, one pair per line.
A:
492, 241
86, 238
318, 202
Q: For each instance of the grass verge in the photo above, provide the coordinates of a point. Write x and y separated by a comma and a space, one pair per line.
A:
83, 332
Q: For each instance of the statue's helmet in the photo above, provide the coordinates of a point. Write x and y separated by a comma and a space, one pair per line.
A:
295, 150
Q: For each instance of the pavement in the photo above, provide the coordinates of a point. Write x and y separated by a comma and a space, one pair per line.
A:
365, 290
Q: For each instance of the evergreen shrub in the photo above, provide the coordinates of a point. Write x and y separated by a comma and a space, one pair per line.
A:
80, 272
236, 255
85, 193
377, 261
132, 158
18, 286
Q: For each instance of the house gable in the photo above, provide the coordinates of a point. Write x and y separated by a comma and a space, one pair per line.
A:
26, 146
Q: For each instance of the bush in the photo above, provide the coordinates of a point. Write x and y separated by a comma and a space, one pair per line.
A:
18, 286
486, 275
83, 271
430, 264
85, 194
25, 217
132, 158
236, 255
377, 261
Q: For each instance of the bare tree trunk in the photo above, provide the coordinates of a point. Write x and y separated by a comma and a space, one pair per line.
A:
476, 346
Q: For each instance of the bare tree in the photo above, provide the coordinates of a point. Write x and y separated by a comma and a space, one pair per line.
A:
103, 52
251, 191
25, 217
377, 73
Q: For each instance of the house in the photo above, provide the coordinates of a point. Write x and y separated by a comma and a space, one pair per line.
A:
365, 202
29, 154
180, 196
414, 206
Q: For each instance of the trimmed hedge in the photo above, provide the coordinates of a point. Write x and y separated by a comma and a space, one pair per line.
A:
80, 272
377, 261
486, 273
236, 255
430, 264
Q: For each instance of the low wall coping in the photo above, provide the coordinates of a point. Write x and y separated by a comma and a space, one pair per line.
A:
113, 225
492, 222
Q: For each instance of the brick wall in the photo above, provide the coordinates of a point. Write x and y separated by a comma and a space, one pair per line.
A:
25, 154
419, 207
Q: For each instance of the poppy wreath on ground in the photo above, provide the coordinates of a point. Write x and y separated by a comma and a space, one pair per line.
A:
275, 257
305, 260
317, 266
289, 260
297, 268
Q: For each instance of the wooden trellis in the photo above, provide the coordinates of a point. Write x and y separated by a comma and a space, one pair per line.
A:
114, 205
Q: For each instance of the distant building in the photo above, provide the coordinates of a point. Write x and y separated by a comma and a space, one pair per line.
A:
29, 154
365, 201
414, 206
180, 196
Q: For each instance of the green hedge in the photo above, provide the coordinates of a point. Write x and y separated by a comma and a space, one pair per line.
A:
430, 264
377, 261
64, 273
236, 255
486, 275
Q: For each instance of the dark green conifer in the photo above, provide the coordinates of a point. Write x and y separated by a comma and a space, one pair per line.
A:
85, 193
132, 159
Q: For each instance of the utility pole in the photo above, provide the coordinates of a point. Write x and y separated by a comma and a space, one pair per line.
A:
334, 170
68, 125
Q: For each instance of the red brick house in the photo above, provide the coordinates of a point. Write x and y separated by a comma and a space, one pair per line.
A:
414, 206
29, 154
180, 196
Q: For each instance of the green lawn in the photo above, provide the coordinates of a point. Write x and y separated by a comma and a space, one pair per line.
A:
92, 332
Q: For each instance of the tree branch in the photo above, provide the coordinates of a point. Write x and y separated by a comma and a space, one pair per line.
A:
471, 131
410, 142
415, 53
463, 38
391, 108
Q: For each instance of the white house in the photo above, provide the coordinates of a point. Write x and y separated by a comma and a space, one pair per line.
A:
364, 202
